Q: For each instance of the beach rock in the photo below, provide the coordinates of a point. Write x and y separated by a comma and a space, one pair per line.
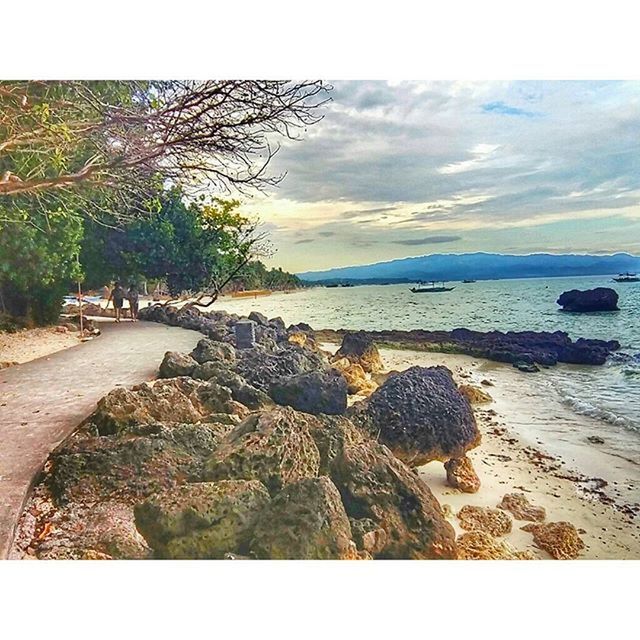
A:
173, 400
368, 535
461, 475
259, 318
305, 521
358, 348
491, 521
475, 395
141, 460
595, 439
526, 367
520, 507
355, 376
261, 368
273, 446
479, 545
202, 520
598, 299
313, 392
176, 364
208, 350
558, 539
298, 338
420, 415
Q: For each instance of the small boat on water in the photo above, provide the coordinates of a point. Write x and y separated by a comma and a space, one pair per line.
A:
627, 277
431, 289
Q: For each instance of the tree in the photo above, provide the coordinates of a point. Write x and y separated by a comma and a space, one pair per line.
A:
196, 247
118, 136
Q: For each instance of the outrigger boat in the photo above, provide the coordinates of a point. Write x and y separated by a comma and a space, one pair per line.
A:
432, 289
627, 277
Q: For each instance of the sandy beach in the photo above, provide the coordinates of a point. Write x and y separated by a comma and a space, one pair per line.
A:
510, 460
29, 344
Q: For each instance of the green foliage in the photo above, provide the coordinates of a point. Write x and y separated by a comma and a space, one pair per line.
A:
37, 263
189, 246
256, 276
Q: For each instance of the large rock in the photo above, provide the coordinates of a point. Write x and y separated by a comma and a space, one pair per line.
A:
261, 367
273, 446
313, 392
378, 487
202, 520
558, 539
598, 299
420, 415
173, 400
176, 364
305, 521
208, 350
357, 381
358, 348
461, 475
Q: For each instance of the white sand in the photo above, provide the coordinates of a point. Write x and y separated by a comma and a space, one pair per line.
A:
30, 344
504, 466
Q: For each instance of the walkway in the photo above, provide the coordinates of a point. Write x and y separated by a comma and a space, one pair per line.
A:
42, 401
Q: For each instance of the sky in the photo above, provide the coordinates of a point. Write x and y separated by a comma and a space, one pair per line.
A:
399, 169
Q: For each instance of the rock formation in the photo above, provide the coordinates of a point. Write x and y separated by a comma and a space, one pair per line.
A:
598, 299
461, 475
358, 348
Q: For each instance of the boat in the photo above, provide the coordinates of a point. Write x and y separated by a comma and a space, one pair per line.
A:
253, 293
468, 281
627, 277
431, 289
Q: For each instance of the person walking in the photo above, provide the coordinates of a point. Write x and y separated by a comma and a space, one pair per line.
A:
133, 297
118, 296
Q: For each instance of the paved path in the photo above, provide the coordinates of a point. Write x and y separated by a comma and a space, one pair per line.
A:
43, 401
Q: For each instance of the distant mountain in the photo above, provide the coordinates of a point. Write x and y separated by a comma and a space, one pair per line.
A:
478, 266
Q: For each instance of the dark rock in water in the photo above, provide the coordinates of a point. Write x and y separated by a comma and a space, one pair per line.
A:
273, 446
598, 299
588, 351
305, 521
359, 348
421, 415
261, 368
595, 439
202, 520
313, 392
175, 365
207, 350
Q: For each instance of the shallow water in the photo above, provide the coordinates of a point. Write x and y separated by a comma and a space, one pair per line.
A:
610, 394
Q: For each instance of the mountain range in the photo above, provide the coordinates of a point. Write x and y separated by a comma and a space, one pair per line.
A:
478, 266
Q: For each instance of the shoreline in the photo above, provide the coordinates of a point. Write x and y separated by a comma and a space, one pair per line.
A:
515, 456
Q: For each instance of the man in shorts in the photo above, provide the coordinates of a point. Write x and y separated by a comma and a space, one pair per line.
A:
132, 297
118, 296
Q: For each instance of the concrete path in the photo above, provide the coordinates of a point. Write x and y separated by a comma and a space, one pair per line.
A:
43, 401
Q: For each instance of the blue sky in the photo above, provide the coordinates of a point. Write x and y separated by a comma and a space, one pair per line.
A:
407, 168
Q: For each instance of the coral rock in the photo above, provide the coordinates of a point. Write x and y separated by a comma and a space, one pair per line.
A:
313, 392
491, 521
559, 539
478, 545
176, 364
475, 395
521, 508
358, 348
461, 475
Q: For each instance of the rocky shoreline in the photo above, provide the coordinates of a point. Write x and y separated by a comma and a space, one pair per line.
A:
523, 349
281, 450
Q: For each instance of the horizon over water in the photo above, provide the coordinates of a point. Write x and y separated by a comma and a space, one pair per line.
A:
609, 393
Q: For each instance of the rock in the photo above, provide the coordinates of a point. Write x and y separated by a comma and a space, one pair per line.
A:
273, 446
526, 367
259, 318
213, 350
598, 299
298, 338
475, 395
491, 521
261, 368
202, 520
521, 509
305, 521
595, 439
8, 363
559, 539
461, 475
368, 535
173, 400
478, 545
176, 364
486, 383
144, 459
313, 392
355, 376
358, 348
378, 487
420, 415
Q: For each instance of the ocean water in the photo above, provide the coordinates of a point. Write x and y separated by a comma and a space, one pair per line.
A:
609, 394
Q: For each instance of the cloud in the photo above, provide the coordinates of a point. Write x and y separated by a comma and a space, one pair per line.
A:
428, 240
507, 110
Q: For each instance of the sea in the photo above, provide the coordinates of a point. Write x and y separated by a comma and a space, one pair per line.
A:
609, 394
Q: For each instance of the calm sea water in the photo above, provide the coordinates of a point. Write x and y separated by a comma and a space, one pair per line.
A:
610, 393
